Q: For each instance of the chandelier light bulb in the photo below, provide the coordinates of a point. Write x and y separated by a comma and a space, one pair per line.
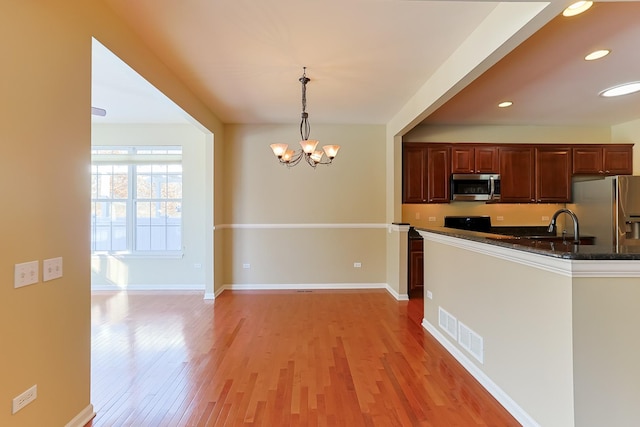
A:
308, 145
279, 149
331, 150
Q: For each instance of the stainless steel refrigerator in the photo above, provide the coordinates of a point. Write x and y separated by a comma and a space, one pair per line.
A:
609, 209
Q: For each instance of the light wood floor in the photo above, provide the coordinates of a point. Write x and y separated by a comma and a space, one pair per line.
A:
286, 358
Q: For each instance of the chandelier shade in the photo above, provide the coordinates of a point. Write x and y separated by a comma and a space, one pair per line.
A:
308, 146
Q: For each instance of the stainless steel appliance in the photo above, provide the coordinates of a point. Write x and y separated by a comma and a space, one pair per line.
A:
609, 209
475, 187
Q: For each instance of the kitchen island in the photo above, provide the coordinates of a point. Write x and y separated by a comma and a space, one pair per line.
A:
550, 330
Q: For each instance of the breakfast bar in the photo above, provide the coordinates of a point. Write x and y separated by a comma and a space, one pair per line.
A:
548, 327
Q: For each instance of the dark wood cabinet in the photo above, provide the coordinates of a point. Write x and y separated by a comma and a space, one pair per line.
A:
414, 173
416, 267
553, 174
425, 173
438, 171
474, 159
529, 173
517, 174
603, 160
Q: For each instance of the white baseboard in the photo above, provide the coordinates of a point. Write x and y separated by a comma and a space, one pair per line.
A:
505, 400
254, 287
311, 286
142, 287
82, 418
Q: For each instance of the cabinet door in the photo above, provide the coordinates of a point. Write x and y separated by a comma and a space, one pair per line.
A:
414, 173
486, 160
462, 159
553, 174
469, 159
587, 161
517, 174
618, 160
438, 171
603, 160
416, 272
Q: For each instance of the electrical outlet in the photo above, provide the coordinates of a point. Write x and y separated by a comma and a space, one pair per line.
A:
499, 218
51, 269
246, 266
25, 274
417, 215
24, 399
429, 295
545, 218
357, 264
432, 219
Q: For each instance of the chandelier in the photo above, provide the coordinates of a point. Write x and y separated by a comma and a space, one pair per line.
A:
308, 151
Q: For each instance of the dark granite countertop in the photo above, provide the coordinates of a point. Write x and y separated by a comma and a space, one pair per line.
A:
548, 248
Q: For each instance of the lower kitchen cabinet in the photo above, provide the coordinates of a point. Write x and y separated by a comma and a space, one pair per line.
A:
416, 268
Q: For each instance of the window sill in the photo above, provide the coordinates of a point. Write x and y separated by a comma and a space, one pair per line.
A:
138, 255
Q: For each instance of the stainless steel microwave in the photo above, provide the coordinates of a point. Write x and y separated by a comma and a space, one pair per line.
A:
475, 187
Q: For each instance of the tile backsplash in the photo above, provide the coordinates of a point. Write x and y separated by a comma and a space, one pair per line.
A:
507, 214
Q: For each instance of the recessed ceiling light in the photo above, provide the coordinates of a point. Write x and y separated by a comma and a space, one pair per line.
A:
623, 89
505, 104
597, 54
577, 8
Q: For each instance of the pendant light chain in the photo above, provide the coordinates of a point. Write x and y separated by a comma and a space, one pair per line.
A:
305, 127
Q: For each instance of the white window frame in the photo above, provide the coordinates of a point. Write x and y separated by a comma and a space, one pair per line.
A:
132, 157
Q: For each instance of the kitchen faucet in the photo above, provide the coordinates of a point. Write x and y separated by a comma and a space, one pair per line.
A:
576, 233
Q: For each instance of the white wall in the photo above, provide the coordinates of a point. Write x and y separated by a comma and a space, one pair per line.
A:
133, 272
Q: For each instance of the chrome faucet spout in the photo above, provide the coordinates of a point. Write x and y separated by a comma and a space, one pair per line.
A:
576, 227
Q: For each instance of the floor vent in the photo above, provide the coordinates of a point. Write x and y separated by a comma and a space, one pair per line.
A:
471, 342
448, 323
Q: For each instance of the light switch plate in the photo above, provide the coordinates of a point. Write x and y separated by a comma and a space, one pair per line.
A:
25, 274
51, 269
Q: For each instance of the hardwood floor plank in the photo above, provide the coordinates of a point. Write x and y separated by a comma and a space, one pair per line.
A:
276, 358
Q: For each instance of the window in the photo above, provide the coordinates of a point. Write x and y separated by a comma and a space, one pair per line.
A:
136, 199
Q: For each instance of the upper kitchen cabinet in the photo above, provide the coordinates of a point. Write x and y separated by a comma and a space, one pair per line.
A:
553, 174
517, 174
474, 159
414, 173
425, 173
603, 160
438, 171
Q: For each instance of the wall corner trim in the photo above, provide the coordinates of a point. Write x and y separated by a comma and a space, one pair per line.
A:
82, 418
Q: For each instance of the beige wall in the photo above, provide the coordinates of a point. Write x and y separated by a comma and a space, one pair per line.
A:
629, 132
524, 316
559, 335
510, 134
302, 225
607, 376
45, 130
124, 271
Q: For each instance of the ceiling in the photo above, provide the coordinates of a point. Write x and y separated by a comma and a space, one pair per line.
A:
366, 59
